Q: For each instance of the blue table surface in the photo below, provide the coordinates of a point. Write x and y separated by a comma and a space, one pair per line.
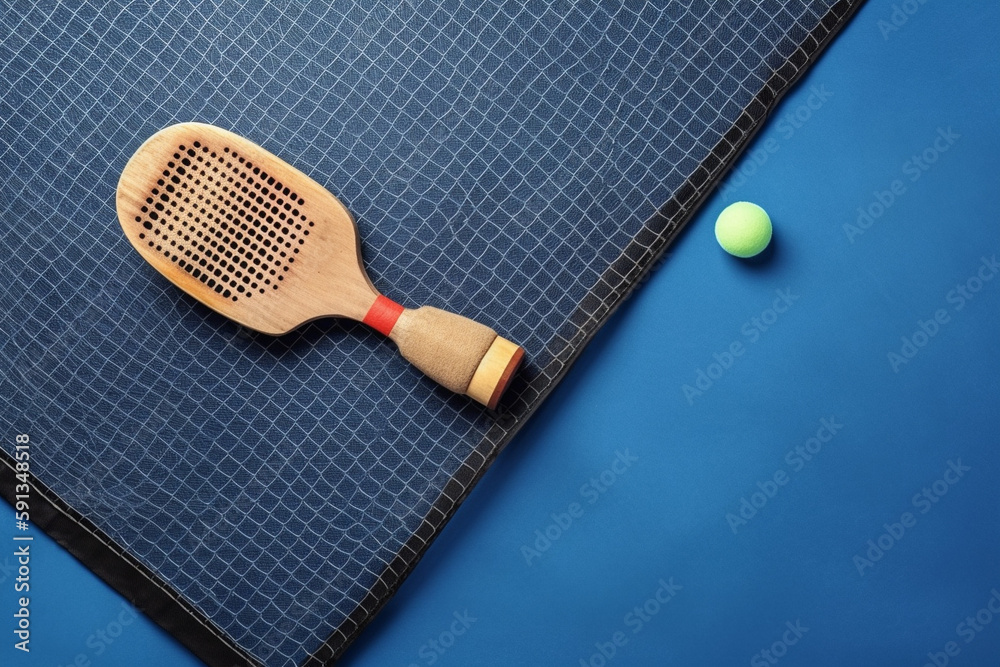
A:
790, 460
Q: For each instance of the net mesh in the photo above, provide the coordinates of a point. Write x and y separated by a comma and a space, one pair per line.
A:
505, 161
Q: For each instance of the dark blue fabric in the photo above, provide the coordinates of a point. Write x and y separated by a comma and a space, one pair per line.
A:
503, 161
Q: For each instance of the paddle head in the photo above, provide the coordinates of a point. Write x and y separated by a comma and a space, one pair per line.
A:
242, 231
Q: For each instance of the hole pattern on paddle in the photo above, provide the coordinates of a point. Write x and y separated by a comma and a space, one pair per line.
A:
224, 220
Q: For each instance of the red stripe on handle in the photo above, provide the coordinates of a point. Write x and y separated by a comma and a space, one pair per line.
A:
383, 314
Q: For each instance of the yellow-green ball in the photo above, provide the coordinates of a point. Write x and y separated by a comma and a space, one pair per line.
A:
743, 229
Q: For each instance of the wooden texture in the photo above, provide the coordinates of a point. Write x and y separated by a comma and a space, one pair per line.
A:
495, 372
260, 242
325, 277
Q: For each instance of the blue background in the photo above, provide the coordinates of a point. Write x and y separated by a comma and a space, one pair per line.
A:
665, 515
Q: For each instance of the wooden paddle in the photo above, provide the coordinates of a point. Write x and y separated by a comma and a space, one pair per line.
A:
265, 245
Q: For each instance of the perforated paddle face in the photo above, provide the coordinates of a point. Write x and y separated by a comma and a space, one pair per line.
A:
224, 220
240, 230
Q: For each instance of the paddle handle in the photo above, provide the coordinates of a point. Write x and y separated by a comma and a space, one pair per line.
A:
460, 354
